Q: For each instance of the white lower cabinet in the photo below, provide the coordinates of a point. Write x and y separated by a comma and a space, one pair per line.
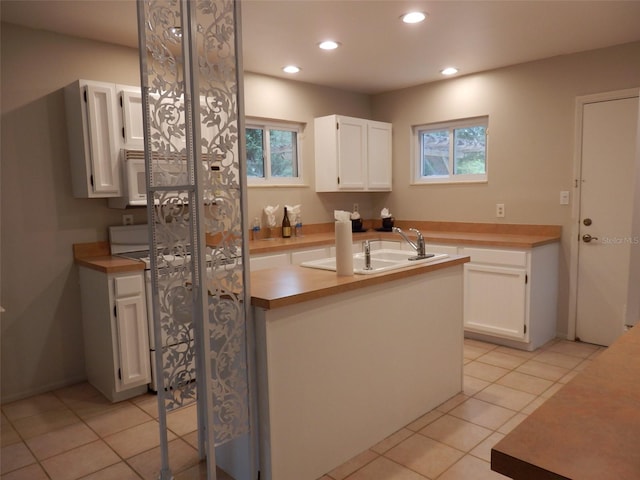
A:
510, 295
116, 342
495, 300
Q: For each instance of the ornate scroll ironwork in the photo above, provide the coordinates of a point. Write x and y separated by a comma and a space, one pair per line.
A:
195, 196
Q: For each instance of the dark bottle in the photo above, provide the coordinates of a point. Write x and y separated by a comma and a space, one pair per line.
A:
286, 225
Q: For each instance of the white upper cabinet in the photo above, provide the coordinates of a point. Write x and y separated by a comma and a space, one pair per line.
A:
131, 114
378, 155
352, 154
93, 126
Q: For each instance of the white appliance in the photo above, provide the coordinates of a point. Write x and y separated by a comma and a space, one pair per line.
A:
178, 337
134, 186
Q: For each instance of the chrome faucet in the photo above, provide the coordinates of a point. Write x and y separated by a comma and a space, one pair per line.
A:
418, 245
366, 246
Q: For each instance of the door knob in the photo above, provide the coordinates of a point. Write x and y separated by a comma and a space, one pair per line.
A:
587, 238
587, 221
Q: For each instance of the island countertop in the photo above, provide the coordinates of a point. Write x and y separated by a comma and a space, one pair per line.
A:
588, 430
284, 286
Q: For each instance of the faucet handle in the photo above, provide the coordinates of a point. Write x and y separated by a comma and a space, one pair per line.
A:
417, 232
421, 248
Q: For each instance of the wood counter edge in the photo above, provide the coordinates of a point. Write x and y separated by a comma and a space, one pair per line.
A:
358, 282
581, 417
513, 467
509, 240
97, 256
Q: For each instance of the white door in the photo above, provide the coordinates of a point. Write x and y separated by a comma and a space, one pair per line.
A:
609, 131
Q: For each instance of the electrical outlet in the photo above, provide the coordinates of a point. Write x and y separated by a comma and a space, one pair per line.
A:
500, 210
355, 207
127, 219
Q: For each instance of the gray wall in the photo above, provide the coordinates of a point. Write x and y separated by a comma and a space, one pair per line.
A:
531, 115
531, 110
41, 330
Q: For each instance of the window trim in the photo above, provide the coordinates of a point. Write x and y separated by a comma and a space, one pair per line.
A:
416, 171
268, 180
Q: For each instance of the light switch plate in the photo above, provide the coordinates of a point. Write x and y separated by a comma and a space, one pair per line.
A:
564, 197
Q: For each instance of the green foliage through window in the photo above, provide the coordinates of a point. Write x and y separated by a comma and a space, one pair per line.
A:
455, 151
272, 153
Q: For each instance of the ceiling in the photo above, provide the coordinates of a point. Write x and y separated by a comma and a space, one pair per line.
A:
378, 53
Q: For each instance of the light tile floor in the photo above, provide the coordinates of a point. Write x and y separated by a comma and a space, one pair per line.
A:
453, 442
75, 433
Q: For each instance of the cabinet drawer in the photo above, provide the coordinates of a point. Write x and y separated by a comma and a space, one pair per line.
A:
127, 286
498, 257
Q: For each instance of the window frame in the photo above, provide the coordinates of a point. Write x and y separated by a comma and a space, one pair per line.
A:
451, 126
268, 180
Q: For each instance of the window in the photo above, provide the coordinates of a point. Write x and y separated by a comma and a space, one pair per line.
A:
452, 152
273, 154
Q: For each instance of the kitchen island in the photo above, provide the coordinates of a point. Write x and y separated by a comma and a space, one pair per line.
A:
344, 362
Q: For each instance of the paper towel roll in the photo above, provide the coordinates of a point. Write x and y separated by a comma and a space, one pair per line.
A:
344, 251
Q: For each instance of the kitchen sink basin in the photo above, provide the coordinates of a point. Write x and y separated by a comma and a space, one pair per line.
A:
382, 260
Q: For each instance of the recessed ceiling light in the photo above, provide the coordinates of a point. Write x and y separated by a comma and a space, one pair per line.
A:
291, 69
413, 17
328, 45
449, 71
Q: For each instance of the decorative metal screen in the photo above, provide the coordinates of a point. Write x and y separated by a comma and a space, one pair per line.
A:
195, 185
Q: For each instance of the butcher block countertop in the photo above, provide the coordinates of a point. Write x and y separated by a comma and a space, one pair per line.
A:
481, 234
589, 430
96, 255
284, 286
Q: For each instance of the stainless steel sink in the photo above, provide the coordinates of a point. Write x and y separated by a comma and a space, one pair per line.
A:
382, 260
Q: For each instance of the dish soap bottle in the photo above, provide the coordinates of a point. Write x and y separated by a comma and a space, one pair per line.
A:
286, 225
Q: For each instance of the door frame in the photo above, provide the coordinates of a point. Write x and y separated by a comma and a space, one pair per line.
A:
581, 101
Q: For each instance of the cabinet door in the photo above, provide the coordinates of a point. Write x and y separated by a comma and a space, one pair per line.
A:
379, 156
352, 153
495, 301
102, 129
131, 331
131, 324
132, 125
